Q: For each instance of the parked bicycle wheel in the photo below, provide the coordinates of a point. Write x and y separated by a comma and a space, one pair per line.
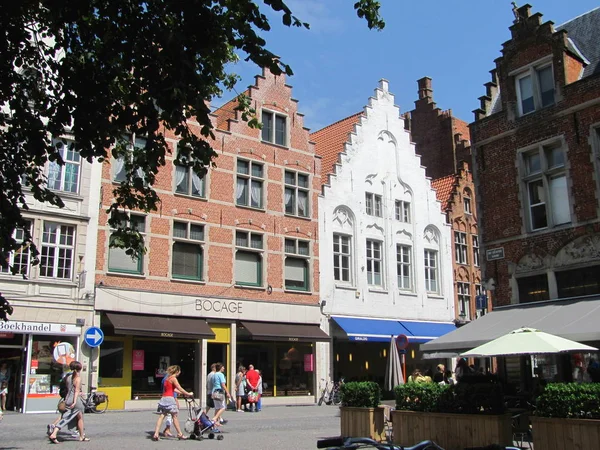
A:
336, 398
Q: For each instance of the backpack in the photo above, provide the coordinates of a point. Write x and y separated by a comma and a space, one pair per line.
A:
63, 389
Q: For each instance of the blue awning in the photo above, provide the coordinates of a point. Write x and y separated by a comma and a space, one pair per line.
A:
381, 330
371, 330
426, 331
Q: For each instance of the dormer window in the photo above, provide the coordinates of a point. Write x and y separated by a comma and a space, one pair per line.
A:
535, 88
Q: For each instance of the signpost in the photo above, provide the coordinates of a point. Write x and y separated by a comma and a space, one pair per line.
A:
94, 337
494, 253
481, 302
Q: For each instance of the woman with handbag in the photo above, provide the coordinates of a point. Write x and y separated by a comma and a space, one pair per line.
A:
220, 394
73, 404
168, 402
240, 387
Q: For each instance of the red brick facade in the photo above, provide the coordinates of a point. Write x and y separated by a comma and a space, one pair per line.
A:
219, 213
503, 137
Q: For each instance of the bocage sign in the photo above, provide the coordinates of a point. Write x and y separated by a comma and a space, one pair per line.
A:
219, 307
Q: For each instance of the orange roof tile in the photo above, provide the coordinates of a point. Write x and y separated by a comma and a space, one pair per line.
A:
443, 189
329, 142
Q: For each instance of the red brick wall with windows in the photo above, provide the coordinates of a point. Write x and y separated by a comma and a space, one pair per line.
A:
218, 211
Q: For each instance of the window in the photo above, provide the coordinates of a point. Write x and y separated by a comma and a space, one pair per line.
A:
341, 258
188, 182
111, 359
296, 264
403, 258
274, 128
467, 205
58, 244
403, 211
249, 188
545, 186
578, 282
118, 259
533, 289
19, 260
464, 297
65, 178
120, 168
374, 263
460, 247
248, 258
188, 252
431, 271
296, 193
373, 204
475, 250
535, 89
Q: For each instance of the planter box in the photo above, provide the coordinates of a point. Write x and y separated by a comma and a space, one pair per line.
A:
560, 434
362, 422
452, 431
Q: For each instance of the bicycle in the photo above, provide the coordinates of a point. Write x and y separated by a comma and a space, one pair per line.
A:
330, 394
339, 443
95, 402
324, 394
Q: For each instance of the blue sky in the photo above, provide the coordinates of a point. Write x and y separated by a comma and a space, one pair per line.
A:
339, 61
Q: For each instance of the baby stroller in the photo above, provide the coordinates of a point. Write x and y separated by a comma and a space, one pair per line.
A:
198, 422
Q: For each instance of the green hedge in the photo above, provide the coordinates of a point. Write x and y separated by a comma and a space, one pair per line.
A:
462, 398
360, 394
569, 400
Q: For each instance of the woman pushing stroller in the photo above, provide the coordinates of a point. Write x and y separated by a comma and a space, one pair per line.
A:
168, 403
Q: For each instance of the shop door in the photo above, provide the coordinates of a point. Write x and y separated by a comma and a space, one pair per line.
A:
216, 353
12, 369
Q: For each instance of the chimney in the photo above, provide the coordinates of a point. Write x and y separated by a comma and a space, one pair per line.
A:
425, 90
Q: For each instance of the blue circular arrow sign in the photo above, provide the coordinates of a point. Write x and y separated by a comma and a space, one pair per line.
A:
94, 336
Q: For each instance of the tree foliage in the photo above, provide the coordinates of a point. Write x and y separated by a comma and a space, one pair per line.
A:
106, 71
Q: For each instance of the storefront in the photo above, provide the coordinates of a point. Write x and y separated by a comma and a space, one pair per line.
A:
35, 356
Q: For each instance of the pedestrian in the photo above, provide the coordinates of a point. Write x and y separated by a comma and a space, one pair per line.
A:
417, 377
4, 380
74, 404
209, 387
260, 391
439, 374
169, 418
168, 403
220, 394
448, 377
240, 387
72, 426
252, 377
462, 369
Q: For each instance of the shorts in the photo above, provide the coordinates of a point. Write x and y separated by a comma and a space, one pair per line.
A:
220, 404
210, 403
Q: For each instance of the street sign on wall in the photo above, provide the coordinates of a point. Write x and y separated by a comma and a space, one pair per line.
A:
494, 253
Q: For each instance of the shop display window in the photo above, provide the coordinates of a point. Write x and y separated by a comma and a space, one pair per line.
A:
111, 359
50, 359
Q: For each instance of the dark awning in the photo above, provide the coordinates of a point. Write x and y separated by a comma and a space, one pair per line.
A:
269, 331
160, 326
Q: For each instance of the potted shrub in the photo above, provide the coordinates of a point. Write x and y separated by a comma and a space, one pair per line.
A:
469, 414
360, 413
567, 415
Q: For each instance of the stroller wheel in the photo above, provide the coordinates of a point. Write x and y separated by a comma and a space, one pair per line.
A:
193, 436
211, 435
220, 437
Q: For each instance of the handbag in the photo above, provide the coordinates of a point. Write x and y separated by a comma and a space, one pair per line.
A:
219, 396
62, 406
252, 397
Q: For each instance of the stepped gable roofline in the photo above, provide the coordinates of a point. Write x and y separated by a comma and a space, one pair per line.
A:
227, 112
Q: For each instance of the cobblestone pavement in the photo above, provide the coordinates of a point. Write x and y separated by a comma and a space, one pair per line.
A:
276, 427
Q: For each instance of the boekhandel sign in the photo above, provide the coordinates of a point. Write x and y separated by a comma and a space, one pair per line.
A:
18, 327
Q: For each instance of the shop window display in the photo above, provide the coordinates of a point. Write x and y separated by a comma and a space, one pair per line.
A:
111, 359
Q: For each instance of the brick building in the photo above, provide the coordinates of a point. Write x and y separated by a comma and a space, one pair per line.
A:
536, 145
443, 142
232, 263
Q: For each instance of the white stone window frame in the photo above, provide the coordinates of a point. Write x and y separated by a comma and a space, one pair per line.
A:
463, 292
74, 161
546, 175
189, 240
372, 260
58, 248
141, 259
402, 211
21, 257
272, 138
409, 264
339, 256
186, 173
249, 248
461, 248
532, 70
476, 253
429, 269
373, 204
118, 164
297, 189
467, 205
249, 179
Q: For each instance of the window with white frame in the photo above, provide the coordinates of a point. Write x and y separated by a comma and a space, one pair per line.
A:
402, 211
342, 258
58, 246
118, 259
373, 204
19, 260
475, 250
464, 298
431, 271
467, 205
188, 251
249, 184
374, 263
248, 258
120, 166
460, 247
66, 177
535, 88
297, 263
296, 193
545, 186
188, 182
404, 266
274, 128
